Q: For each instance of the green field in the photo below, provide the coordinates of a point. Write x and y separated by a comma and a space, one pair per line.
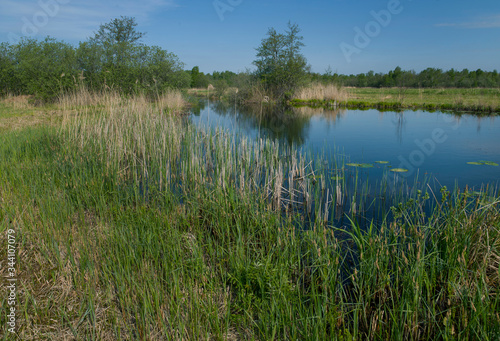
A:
131, 224
466, 97
468, 100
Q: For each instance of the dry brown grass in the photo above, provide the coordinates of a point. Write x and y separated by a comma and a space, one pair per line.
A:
18, 102
83, 97
172, 100
318, 91
18, 112
35, 119
169, 101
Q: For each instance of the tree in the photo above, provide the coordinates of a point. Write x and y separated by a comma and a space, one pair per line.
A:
44, 68
280, 64
118, 39
119, 30
198, 79
8, 79
115, 58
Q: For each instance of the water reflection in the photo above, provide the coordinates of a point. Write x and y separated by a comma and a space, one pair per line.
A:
399, 121
371, 135
288, 124
197, 106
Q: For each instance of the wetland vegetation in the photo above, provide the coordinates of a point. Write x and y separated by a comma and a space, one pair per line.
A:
477, 100
133, 222
184, 233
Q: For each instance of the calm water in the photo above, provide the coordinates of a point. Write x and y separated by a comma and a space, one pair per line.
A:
437, 145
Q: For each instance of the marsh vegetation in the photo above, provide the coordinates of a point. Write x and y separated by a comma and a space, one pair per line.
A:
134, 222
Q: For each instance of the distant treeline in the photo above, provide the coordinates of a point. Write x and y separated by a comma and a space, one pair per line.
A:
428, 78
114, 58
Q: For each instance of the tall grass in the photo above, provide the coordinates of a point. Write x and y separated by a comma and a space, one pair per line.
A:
170, 100
322, 92
134, 224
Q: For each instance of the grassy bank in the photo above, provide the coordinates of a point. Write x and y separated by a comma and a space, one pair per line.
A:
132, 224
485, 101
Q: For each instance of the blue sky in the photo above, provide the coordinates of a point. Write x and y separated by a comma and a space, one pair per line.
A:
343, 34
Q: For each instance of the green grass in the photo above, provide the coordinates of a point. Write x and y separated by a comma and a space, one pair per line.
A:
406, 96
131, 224
472, 100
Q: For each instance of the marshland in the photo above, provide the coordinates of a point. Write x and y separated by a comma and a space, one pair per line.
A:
141, 211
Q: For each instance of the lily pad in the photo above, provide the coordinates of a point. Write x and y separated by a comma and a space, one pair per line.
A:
399, 170
483, 162
361, 165
382, 162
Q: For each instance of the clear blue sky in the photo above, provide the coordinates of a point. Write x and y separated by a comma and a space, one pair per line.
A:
223, 34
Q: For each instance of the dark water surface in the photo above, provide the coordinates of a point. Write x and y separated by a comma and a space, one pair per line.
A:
431, 144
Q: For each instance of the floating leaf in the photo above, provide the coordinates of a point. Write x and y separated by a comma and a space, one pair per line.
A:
399, 170
338, 177
361, 165
382, 162
483, 162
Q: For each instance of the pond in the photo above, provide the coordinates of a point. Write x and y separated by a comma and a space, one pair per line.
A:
446, 149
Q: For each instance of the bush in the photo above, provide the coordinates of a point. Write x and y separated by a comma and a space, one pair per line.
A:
112, 59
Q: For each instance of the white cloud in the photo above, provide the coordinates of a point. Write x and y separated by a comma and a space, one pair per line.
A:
71, 19
483, 22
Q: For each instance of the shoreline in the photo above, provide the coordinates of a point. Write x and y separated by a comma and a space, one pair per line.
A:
365, 105
482, 101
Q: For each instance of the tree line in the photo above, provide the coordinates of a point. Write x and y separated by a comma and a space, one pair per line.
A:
428, 78
115, 58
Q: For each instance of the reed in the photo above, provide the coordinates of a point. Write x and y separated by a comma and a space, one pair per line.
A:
322, 92
134, 224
